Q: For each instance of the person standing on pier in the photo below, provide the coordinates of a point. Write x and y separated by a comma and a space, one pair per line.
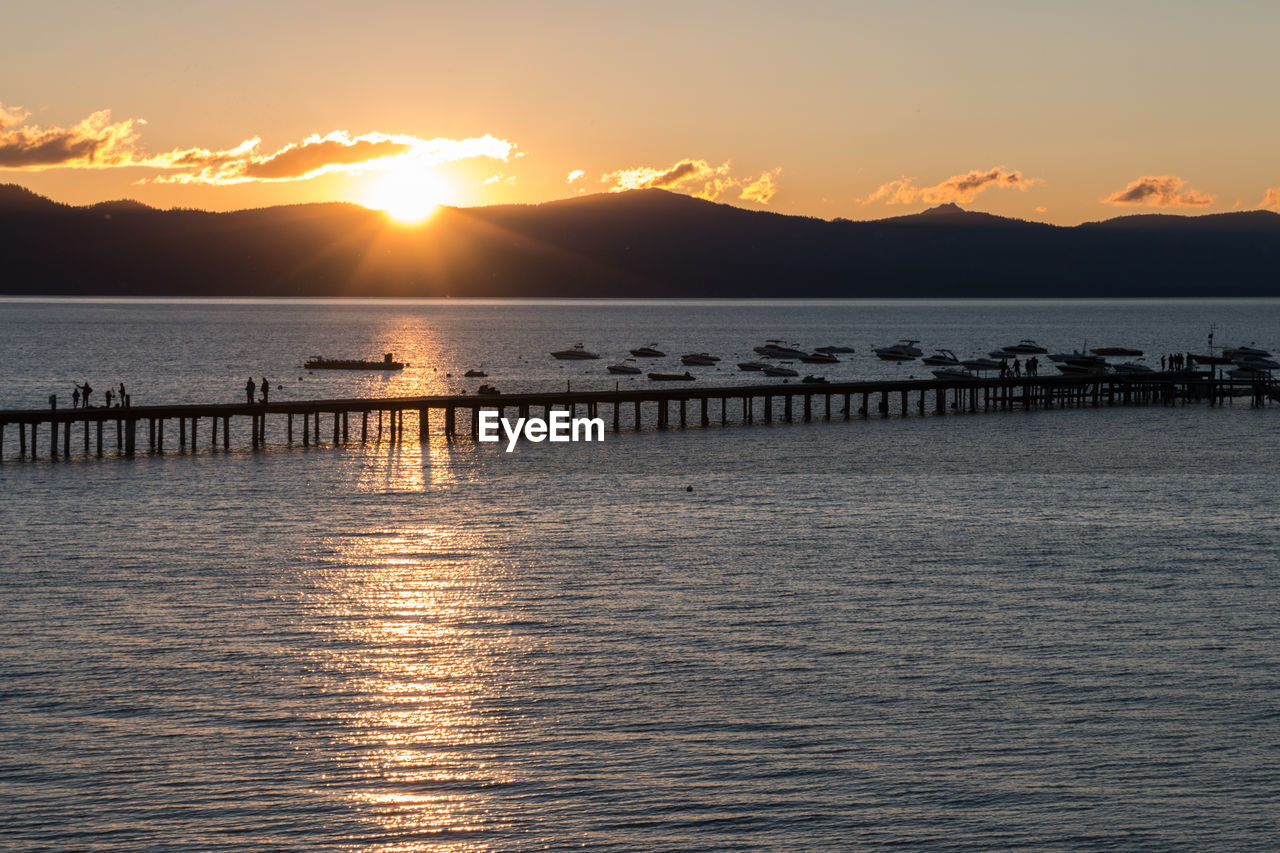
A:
266, 389
85, 391
124, 399
75, 398
249, 388
108, 396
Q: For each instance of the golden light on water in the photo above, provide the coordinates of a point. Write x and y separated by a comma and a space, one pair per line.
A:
408, 610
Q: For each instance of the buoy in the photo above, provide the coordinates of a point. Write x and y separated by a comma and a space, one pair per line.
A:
688, 488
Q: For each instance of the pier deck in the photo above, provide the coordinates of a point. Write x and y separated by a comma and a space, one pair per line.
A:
62, 432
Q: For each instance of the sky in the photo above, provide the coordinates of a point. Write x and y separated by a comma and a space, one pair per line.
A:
1054, 112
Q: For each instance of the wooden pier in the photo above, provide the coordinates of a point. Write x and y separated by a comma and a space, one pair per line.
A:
124, 431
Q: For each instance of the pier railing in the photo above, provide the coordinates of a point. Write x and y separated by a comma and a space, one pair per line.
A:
124, 430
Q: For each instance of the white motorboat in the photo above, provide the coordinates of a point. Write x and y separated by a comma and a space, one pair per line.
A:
903, 350
955, 373
982, 364
778, 370
651, 351
1132, 367
627, 367
1247, 352
942, 358
698, 359
778, 349
1024, 347
819, 358
574, 353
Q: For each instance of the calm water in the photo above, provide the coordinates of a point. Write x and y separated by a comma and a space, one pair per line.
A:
1051, 631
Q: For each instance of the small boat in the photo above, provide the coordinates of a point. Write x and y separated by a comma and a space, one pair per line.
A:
1256, 362
751, 365
574, 353
1115, 351
834, 350
1234, 353
1130, 367
320, 363
981, 364
903, 350
627, 367
672, 377
1082, 364
698, 359
651, 351
778, 370
955, 373
819, 358
1024, 346
487, 391
813, 380
942, 358
778, 349
475, 374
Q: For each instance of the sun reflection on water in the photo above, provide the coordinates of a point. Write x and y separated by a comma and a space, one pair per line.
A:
412, 620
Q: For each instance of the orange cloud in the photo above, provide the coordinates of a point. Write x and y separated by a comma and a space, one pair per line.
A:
697, 178
957, 188
1159, 191
762, 189
575, 175
1271, 201
95, 142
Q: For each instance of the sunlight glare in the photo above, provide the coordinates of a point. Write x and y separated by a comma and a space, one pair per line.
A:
409, 197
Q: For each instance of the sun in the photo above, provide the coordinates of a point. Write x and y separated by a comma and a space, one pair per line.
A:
409, 197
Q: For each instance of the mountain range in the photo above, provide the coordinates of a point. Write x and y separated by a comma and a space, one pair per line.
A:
644, 243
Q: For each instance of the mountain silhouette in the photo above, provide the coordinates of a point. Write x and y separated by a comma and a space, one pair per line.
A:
644, 243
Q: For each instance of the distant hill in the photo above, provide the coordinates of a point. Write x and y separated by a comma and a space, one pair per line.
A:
637, 244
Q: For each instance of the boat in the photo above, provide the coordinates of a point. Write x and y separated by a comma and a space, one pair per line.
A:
671, 377
1115, 351
651, 351
751, 365
698, 359
627, 367
488, 391
903, 350
1256, 374
475, 374
1024, 346
778, 370
956, 372
778, 349
317, 362
1130, 367
813, 380
1082, 364
819, 358
1256, 362
1210, 359
1234, 353
981, 364
834, 350
575, 353
942, 358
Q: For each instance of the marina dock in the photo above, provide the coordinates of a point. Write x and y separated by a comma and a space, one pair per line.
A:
127, 430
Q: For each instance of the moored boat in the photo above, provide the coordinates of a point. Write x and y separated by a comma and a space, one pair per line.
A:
1115, 351
957, 372
317, 362
819, 358
575, 353
627, 367
698, 359
779, 370
671, 377
475, 374
751, 365
903, 350
774, 348
651, 351
488, 391
1026, 346
942, 358
813, 380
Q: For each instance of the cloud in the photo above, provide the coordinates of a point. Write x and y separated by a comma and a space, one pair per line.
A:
575, 175
1271, 201
957, 188
762, 189
693, 177
97, 142
319, 155
1159, 191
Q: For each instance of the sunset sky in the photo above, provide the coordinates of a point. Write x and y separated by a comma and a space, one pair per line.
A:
1060, 112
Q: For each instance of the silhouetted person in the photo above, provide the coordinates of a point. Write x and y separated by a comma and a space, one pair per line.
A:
53, 401
108, 396
266, 389
85, 391
75, 398
124, 398
249, 389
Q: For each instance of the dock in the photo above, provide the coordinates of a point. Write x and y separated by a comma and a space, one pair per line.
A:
125, 430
